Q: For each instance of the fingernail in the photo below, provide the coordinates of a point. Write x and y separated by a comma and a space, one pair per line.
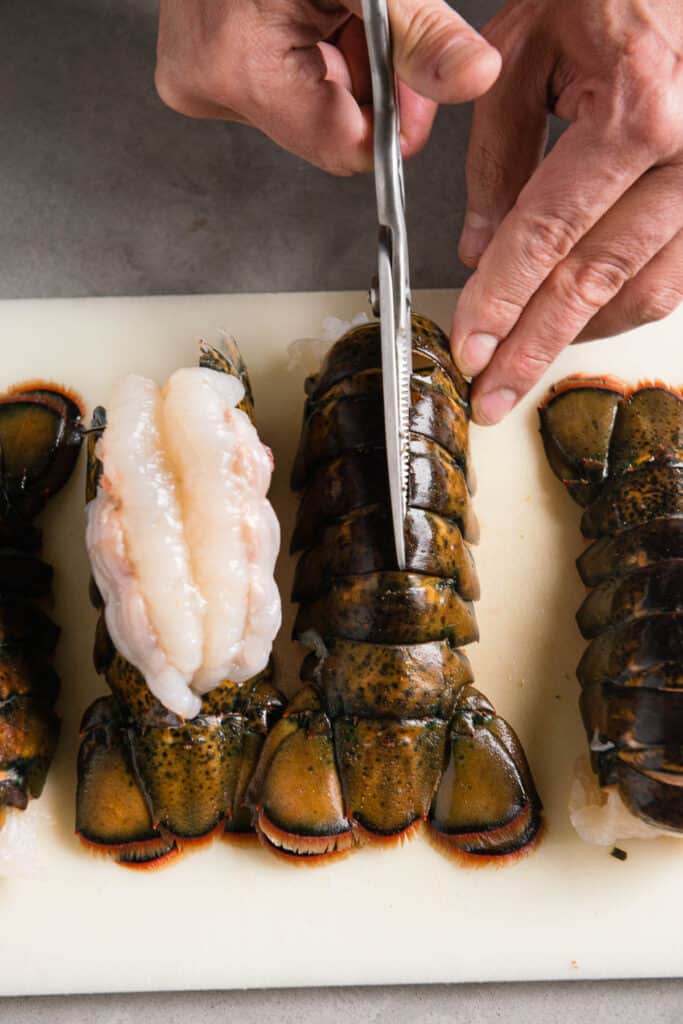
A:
494, 406
475, 353
476, 234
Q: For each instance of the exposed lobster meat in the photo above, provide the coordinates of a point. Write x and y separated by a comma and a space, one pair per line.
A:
388, 731
149, 780
40, 438
619, 452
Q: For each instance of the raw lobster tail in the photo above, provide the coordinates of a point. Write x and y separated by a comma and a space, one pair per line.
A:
150, 781
388, 731
619, 452
40, 438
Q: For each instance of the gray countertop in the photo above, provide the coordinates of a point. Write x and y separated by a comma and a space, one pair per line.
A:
633, 1002
105, 192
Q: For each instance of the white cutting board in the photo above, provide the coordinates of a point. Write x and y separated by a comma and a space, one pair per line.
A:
226, 916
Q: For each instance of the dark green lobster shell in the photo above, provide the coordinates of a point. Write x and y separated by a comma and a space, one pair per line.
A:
40, 438
619, 452
388, 731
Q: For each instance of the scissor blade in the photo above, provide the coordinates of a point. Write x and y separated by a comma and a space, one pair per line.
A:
396, 412
393, 276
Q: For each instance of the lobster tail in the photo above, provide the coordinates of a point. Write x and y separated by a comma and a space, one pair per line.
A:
388, 732
151, 782
630, 674
40, 438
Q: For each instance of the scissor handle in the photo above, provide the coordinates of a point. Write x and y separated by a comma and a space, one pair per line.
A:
387, 150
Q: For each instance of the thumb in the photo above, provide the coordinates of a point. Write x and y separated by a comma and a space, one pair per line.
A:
437, 53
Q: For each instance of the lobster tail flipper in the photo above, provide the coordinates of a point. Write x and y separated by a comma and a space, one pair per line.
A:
577, 418
112, 812
40, 439
486, 804
296, 790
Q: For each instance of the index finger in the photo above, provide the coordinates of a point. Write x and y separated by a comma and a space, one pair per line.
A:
580, 179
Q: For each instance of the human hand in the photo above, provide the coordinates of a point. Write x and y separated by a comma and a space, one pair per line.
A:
298, 70
586, 242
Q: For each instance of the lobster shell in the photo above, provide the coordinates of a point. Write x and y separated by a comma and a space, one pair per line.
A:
388, 731
619, 452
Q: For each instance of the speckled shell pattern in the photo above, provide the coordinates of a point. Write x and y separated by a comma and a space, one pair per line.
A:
396, 734
40, 439
619, 452
149, 782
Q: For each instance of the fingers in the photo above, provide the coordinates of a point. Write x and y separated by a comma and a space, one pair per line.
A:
437, 53
625, 240
581, 178
350, 45
308, 109
349, 56
416, 120
654, 293
298, 71
234, 60
507, 142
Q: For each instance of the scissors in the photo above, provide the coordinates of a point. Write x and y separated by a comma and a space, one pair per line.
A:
390, 292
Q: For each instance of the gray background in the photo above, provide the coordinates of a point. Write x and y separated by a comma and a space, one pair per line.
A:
104, 192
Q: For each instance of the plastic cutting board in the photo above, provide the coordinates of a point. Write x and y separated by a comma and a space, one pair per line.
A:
226, 916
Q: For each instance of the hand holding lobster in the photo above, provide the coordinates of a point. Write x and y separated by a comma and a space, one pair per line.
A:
586, 242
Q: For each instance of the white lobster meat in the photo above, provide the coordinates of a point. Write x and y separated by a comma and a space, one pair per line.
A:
181, 537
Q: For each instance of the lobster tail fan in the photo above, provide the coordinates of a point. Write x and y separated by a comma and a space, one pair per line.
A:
40, 438
227, 358
486, 804
577, 419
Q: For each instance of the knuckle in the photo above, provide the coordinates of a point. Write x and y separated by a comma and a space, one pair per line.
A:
591, 283
656, 303
652, 113
546, 239
168, 91
530, 365
502, 310
336, 166
217, 83
650, 126
182, 92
